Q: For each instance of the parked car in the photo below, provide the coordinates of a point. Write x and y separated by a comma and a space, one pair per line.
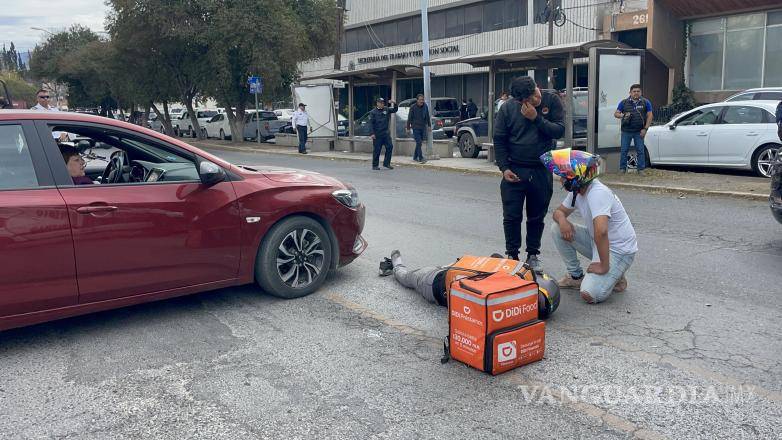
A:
445, 113
154, 123
270, 125
218, 127
760, 94
343, 126
735, 134
472, 133
775, 199
183, 125
162, 219
284, 114
362, 127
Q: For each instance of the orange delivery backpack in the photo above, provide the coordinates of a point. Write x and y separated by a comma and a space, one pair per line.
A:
493, 322
469, 265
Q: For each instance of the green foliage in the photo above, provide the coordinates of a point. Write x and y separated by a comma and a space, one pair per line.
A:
18, 88
683, 98
10, 59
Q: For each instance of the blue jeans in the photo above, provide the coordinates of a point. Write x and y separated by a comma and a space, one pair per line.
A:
599, 287
419, 134
302, 131
636, 138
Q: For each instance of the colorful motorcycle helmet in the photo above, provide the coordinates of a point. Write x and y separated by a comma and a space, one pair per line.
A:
548, 296
578, 168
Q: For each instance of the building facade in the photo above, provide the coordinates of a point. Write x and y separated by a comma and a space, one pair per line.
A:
717, 47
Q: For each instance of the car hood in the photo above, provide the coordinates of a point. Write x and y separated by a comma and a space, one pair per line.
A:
290, 175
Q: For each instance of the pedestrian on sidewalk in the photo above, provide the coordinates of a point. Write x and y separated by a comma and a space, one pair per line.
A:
379, 121
636, 115
300, 121
472, 109
525, 127
608, 239
463, 110
43, 97
418, 120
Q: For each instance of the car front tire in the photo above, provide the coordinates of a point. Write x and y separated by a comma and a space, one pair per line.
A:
294, 258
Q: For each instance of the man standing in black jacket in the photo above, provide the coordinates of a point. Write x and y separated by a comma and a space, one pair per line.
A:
417, 120
379, 119
526, 127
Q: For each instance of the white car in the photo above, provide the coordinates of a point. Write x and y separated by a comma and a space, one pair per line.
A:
761, 94
736, 134
183, 125
218, 127
284, 114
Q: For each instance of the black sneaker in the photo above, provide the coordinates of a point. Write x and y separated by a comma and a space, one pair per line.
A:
389, 167
512, 257
496, 255
534, 263
386, 267
376, 168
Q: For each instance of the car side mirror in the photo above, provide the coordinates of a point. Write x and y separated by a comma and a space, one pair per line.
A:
672, 127
210, 173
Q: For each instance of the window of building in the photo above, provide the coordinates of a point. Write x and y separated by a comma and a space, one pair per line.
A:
538, 9
515, 13
16, 164
405, 29
736, 52
494, 15
417, 29
473, 19
454, 22
437, 29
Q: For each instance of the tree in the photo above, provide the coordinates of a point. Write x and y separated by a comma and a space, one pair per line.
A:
10, 59
19, 89
167, 50
244, 40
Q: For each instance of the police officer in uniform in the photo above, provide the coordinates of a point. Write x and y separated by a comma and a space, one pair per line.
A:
379, 119
526, 127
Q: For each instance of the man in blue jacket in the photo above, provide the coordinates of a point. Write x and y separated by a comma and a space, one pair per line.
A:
379, 121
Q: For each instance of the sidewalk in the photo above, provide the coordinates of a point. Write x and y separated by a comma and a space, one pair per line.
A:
677, 182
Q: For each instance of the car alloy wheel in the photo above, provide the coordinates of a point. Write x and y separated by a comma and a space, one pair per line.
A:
765, 161
467, 146
300, 258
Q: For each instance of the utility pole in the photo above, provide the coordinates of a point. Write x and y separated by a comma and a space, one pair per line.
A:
338, 58
550, 7
427, 76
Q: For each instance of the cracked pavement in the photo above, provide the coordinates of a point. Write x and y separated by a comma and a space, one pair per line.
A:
361, 358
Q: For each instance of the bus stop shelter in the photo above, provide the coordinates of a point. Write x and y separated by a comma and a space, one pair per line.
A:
544, 57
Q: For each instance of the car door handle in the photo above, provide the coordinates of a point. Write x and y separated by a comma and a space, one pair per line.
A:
752, 133
703, 134
95, 208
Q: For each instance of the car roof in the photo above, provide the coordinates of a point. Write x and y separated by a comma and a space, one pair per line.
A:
33, 115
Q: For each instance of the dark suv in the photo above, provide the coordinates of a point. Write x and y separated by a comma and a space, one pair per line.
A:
444, 116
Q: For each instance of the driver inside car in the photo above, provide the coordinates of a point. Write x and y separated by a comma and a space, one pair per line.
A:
75, 164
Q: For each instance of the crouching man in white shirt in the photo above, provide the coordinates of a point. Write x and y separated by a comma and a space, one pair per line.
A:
608, 239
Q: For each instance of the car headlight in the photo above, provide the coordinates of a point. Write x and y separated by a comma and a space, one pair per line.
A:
348, 197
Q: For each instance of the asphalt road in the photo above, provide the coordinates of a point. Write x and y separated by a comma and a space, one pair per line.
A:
691, 350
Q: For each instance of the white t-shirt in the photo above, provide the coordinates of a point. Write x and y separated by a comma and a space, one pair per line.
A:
600, 200
300, 118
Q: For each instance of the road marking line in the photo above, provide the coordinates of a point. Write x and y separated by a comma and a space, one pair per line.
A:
616, 422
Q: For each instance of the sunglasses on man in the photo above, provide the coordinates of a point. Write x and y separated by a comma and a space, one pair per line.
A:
43, 97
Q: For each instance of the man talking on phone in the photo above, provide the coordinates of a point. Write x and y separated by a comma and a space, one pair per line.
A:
526, 127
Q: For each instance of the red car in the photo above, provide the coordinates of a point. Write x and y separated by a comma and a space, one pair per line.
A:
151, 217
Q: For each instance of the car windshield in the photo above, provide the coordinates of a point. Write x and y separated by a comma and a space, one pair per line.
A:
207, 114
446, 105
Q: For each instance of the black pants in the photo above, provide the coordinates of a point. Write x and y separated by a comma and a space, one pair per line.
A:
378, 143
302, 131
535, 187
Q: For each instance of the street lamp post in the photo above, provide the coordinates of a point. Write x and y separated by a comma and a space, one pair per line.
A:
427, 76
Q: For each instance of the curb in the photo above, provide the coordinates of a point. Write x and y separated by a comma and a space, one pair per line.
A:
496, 173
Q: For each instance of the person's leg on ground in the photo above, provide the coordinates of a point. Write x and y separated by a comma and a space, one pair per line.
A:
377, 144
538, 197
512, 195
638, 141
389, 152
626, 138
597, 288
419, 279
